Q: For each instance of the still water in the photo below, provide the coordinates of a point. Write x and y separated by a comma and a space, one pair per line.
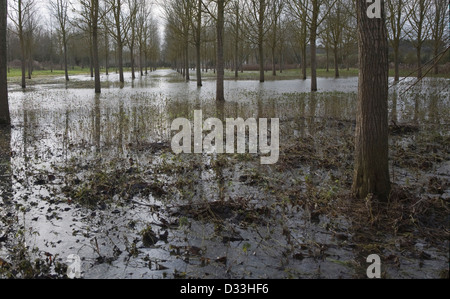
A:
90, 174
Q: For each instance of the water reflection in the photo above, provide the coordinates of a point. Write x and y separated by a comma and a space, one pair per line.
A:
5, 165
132, 126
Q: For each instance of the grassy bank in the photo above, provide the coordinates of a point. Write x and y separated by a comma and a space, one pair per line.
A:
15, 74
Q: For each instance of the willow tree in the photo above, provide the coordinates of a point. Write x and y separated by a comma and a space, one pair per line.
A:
4, 109
371, 169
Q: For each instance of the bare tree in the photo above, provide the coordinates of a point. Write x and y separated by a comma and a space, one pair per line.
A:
397, 18
59, 10
4, 107
420, 24
441, 21
142, 31
19, 13
179, 15
220, 93
131, 32
95, 10
275, 15
219, 17
371, 169
258, 25
197, 30
117, 28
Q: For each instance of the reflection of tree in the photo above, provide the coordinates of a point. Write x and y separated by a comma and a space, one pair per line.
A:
312, 113
301, 117
66, 133
5, 164
121, 125
433, 115
394, 116
97, 123
220, 106
416, 107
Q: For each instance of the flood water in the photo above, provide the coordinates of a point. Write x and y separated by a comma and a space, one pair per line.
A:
94, 175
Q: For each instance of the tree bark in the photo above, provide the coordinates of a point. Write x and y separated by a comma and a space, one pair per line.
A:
198, 43
4, 107
312, 41
371, 169
236, 42
419, 61
262, 9
220, 96
66, 71
96, 63
336, 62
396, 64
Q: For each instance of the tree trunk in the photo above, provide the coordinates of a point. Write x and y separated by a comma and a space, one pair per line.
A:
419, 61
396, 64
186, 59
96, 63
91, 56
261, 39
198, 44
436, 65
23, 62
66, 72
304, 52
30, 62
312, 41
106, 53
133, 75
220, 96
371, 169
4, 107
236, 43
336, 62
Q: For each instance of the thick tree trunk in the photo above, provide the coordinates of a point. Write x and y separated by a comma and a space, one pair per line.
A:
220, 95
4, 107
371, 169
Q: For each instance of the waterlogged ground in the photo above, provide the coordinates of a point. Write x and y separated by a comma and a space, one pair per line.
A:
95, 176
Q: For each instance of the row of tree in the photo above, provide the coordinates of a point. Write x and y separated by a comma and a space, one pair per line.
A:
371, 168
96, 29
262, 30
